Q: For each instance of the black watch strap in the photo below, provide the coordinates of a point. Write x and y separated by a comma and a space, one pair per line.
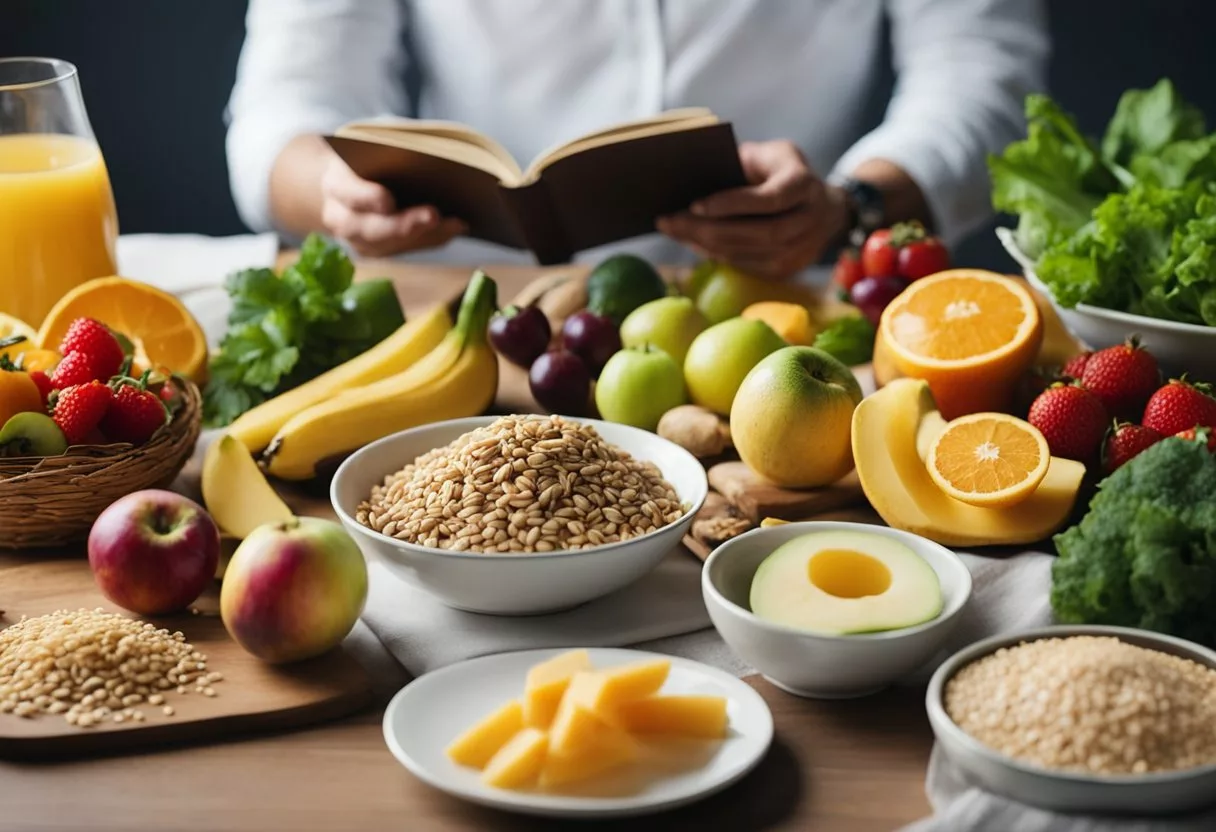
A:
866, 206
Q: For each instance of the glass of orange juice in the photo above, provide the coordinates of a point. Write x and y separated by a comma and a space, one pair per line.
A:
58, 224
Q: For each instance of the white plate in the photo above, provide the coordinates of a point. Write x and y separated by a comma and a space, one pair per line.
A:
430, 712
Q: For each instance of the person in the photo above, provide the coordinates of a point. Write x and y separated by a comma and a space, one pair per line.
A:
793, 76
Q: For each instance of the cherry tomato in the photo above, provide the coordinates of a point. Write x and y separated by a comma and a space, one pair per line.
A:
879, 254
922, 257
847, 270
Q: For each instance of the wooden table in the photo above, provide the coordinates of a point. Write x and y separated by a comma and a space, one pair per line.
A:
853, 765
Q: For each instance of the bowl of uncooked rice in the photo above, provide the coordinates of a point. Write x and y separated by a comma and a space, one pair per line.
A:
1082, 718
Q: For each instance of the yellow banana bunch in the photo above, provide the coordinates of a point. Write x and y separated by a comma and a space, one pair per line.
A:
396, 353
458, 378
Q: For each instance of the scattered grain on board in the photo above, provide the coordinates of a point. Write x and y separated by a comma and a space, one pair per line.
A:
1091, 704
89, 666
522, 484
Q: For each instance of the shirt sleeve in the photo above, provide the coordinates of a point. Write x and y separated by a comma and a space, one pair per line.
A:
307, 66
963, 69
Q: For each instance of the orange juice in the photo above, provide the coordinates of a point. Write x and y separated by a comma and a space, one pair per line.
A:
58, 224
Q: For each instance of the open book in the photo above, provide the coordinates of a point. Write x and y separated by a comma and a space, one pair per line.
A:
597, 189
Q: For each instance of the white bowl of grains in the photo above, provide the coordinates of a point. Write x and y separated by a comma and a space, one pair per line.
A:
1101, 720
519, 515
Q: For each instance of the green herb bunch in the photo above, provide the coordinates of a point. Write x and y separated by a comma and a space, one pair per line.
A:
286, 329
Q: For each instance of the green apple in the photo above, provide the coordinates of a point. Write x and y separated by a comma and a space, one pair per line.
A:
670, 324
792, 419
637, 386
722, 356
717, 292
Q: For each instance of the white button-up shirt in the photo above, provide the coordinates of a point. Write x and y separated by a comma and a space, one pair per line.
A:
533, 73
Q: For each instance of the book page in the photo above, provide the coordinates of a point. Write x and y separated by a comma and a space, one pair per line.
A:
672, 121
445, 139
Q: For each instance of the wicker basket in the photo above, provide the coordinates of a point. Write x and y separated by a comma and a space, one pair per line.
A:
53, 501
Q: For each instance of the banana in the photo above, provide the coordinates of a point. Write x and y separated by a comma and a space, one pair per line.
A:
396, 353
456, 379
235, 490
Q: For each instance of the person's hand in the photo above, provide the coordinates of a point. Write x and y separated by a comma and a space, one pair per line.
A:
780, 223
365, 216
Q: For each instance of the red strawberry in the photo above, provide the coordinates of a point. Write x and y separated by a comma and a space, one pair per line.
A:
94, 339
45, 386
135, 414
1123, 377
1125, 441
79, 409
1074, 368
74, 369
1072, 420
1179, 406
1200, 434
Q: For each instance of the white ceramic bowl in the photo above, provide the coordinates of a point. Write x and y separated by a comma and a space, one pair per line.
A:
1139, 794
520, 584
825, 666
1178, 347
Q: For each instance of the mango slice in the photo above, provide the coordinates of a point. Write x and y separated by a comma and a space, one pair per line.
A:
615, 685
889, 426
476, 746
547, 683
518, 763
589, 706
687, 716
610, 749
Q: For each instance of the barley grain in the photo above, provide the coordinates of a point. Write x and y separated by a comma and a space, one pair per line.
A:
88, 665
552, 484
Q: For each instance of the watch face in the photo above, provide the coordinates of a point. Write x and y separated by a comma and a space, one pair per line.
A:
868, 201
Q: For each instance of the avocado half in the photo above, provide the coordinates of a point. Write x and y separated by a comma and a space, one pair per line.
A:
841, 583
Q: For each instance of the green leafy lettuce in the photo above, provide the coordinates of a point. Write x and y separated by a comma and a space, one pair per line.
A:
286, 329
1145, 553
1127, 224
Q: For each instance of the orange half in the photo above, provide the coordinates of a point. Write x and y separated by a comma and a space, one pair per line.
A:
970, 333
989, 459
164, 333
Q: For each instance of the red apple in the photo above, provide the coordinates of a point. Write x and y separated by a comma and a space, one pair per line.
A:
153, 552
293, 589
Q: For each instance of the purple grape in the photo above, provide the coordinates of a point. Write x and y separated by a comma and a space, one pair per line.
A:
593, 338
872, 294
560, 383
520, 335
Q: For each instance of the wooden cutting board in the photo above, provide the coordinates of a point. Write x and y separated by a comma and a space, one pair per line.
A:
253, 696
755, 498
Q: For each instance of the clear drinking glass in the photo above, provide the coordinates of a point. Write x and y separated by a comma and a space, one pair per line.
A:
58, 223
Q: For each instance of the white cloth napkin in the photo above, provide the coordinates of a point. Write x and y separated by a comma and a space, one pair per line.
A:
193, 267
424, 635
960, 804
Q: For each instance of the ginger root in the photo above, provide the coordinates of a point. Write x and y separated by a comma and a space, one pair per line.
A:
696, 429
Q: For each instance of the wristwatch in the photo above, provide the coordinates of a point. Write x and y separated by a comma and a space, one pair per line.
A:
867, 210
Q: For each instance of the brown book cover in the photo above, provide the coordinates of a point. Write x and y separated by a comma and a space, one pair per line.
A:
599, 189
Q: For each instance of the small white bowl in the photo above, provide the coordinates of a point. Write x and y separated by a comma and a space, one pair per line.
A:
515, 584
1178, 347
1159, 793
825, 666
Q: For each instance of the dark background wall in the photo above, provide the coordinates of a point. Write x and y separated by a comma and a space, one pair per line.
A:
156, 76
